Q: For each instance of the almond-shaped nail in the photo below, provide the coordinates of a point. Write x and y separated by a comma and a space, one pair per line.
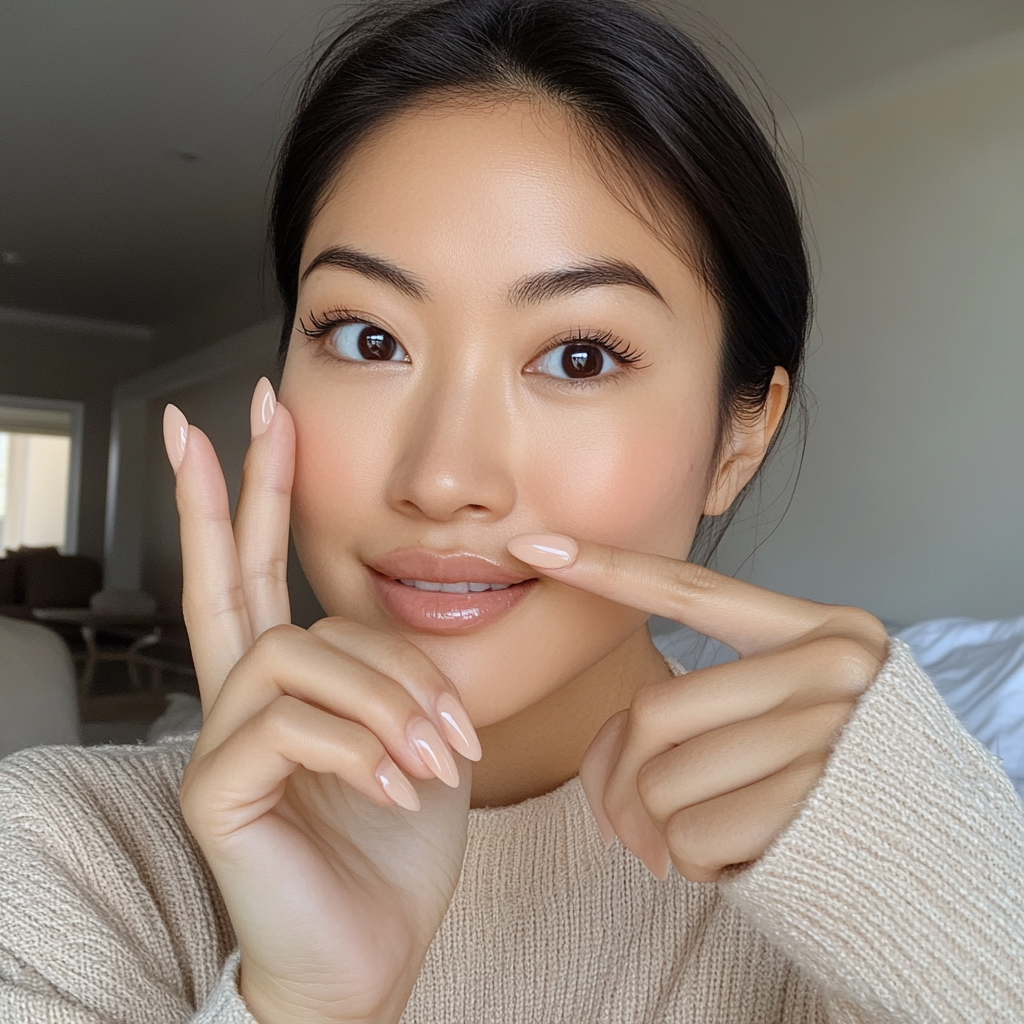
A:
658, 865
263, 407
175, 435
459, 728
426, 742
544, 550
396, 785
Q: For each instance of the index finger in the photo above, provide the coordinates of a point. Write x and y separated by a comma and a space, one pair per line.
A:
264, 510
748, 618
212, 598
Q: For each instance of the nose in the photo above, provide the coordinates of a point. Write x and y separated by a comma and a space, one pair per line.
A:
454, 462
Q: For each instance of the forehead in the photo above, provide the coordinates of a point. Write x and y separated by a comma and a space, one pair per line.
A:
489, 189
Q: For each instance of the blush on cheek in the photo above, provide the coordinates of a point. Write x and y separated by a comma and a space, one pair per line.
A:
645, 495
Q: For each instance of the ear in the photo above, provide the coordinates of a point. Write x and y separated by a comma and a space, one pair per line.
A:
745, 447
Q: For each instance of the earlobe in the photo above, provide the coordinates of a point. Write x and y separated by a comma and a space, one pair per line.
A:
747, 445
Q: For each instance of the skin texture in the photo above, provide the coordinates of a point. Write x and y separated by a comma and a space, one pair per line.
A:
461, 450
333, 889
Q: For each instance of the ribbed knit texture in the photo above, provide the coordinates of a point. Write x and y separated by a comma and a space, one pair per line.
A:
897, 895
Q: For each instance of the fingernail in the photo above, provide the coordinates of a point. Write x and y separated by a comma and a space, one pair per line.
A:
461, 733
426, 741
544, 550
396, 785
658, 866
264, 405
175, 435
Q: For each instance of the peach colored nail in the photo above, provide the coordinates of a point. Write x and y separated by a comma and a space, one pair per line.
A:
396, 785
263, 407
544, 550
658, 864
461, 733
175, 435
426, 741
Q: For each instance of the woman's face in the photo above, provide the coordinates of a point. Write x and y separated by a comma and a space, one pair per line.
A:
524, 356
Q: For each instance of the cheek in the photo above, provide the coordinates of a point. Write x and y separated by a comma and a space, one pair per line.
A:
641, 486
337, 488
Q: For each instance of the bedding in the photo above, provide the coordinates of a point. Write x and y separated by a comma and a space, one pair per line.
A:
978, 667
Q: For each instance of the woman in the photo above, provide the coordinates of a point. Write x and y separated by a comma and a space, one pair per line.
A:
546, 300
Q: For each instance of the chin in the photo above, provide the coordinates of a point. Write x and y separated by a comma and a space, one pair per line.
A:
501, 670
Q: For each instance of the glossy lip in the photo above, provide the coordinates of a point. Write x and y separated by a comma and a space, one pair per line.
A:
443, 567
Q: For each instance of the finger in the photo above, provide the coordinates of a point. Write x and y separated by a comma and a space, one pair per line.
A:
289, 661
596, 768
212, 599
738, 827
395, 658
668, 714
243, 778
264, 509
737, 756
747, 618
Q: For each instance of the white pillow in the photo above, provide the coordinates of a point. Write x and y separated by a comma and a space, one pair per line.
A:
978, 667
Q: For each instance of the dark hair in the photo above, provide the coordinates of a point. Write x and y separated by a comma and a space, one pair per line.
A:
642, 90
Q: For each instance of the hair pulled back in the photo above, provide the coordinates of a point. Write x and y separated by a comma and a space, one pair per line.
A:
641, 88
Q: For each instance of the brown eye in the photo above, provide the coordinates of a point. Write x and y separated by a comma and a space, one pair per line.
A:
362, 342
580, 361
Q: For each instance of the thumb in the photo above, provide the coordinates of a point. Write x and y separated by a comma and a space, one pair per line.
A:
596, 769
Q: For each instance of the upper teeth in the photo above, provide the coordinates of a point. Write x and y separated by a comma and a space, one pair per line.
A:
454, 588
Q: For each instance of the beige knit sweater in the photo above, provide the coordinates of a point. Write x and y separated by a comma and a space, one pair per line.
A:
897, 895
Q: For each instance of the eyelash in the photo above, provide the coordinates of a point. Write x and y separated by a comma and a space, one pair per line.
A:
624, 353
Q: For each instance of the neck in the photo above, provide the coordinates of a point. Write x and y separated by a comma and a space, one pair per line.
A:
541, 747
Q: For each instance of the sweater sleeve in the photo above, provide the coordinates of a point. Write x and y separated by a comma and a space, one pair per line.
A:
106, 913
899, 887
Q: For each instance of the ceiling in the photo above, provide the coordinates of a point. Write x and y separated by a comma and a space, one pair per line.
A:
137, 136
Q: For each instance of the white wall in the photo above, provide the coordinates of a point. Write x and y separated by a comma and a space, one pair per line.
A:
912, 497
215, 396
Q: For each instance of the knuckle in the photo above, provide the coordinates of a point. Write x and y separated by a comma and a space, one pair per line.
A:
648, 707
278, 642
280, 719
271, 569
650, 780
693, 580
865, 628
853, 666
693, 859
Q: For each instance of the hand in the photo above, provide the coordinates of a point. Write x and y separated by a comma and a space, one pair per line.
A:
707, 769
293, 790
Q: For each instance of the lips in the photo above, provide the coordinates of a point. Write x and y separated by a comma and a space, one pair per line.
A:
444, 612
440, 567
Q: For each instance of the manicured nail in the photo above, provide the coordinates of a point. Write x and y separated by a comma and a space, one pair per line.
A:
426, 741
544, 550
461, 733
604, 826
264, 405
657, 865
175, 435
396, 785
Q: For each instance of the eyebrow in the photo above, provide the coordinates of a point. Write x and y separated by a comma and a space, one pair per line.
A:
550, 284
529, 290
344, 258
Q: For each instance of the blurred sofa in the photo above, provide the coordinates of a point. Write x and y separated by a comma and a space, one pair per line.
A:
44, 578
38, 690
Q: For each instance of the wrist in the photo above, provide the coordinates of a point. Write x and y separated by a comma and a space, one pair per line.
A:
271, 1001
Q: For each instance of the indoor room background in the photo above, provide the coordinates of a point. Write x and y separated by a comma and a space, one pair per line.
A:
137, 142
